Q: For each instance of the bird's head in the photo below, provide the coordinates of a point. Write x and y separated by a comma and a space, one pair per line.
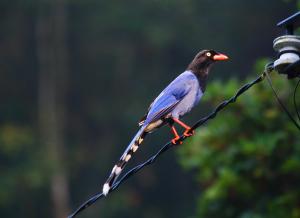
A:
204, 60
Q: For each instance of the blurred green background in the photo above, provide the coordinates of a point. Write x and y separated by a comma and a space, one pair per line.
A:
77, 75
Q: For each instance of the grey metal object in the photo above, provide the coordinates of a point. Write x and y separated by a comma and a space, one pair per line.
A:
288, 46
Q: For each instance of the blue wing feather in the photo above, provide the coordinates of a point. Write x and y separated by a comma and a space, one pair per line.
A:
170, 97
161, 109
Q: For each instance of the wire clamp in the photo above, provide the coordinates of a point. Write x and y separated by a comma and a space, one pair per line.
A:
288, 48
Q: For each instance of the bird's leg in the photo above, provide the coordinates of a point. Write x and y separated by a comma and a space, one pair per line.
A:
188, 132
177, 137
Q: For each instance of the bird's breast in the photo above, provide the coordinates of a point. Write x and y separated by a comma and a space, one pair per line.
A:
188, 102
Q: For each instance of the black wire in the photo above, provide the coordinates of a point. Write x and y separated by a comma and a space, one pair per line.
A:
169, 145
295, 102
134, 170
281, 103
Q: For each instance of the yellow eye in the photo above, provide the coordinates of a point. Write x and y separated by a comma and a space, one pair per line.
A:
208, 54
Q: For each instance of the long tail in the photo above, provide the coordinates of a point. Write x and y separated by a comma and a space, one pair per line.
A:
119, 166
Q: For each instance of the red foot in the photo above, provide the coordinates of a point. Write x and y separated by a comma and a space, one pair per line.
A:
176, 140
188, 132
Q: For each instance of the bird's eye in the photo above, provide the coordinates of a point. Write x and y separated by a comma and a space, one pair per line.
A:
208, 54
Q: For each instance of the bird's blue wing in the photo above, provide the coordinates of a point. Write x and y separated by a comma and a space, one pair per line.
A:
162, 108
170, 97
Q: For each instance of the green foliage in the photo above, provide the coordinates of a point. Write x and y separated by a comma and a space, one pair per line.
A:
247, 158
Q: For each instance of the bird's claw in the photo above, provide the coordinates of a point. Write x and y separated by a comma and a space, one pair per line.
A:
176, 140
188, 132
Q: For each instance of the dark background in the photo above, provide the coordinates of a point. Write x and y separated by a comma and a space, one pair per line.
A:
75, 78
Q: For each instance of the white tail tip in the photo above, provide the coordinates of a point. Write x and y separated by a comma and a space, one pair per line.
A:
105, 189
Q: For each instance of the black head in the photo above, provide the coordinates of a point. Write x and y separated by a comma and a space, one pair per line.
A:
204, 60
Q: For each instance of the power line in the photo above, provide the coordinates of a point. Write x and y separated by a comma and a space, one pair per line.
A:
295, 102
280, 102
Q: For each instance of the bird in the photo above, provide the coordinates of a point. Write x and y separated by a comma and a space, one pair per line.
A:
176, 100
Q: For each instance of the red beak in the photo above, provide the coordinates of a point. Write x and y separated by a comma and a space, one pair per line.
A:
220, 57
